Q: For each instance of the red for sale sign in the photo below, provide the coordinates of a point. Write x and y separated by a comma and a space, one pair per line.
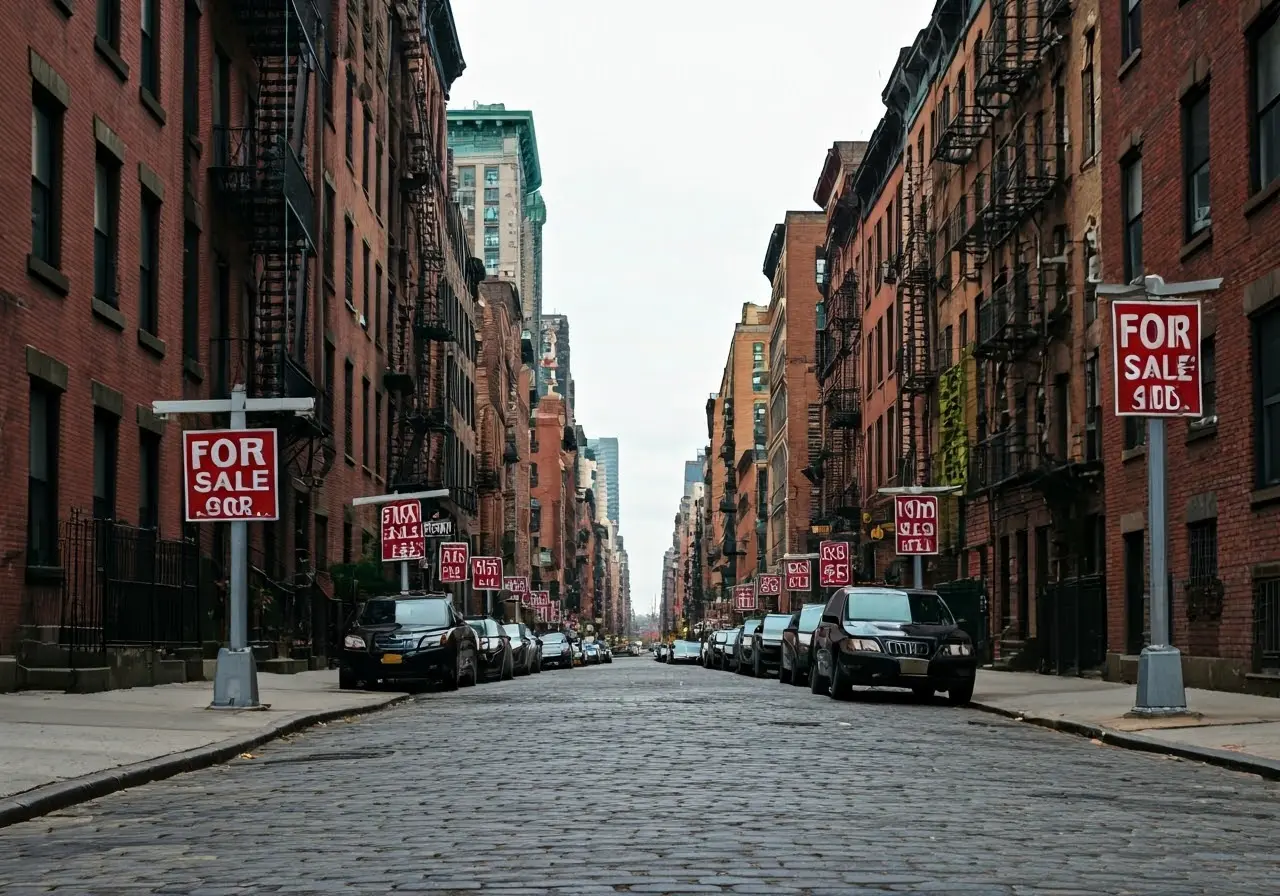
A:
1156, 351
486, 573
768, 584
542, 599
402, 536
453, 561
797, 574
229, 475
519, 586
915, 524
744, 598
834, 569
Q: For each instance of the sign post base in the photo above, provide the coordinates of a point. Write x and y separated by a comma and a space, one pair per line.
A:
1160, 689
235, 683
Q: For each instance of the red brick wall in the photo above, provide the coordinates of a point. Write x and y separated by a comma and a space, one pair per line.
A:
805, 232
1180, 47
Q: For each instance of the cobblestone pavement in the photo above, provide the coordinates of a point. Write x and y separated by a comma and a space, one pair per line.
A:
700, 783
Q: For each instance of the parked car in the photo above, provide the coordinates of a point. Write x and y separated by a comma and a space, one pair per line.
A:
497, 660
606, 652
729, 654
745, 657
796, 638
715, 649
766, 644
891, 637
557, 651
660, 654
704, 651
526, 647
685, 652
636, 648
591, 653
579, 658
409, 637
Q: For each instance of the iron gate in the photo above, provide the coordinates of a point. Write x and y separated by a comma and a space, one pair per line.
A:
967, 599
1071, 625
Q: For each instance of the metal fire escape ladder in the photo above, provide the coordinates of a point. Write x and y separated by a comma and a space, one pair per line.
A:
916, 372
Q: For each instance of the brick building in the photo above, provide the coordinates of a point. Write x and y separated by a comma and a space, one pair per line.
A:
554, 521
1183, 136
794, 420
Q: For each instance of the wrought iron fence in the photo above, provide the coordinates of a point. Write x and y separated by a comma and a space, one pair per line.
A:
1071, 625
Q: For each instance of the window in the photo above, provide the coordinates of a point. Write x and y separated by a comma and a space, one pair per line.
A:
191, 293
1267, 352
1195, 152
351, 117
1266, 102
491, 237
1131, 200
1092, 411
364, 283
346, 541
1202, 550
149, 265
191, 85
491, 262
757, 381
106, 203
46, 170
1208, 379
467, 177
491, 213
330, 201
757, 355
1130, 27
377, 178
148, 479
490, 195
377, 434
364, 152
42, 477
364, 421
106, 433
490, 176
1135, 432
349, 408
150, 51
109, 22
760, 424
1089, 99
377, 304
349, 260
330, 58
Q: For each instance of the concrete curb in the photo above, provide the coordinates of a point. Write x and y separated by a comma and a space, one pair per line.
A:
52, 797
1237, 762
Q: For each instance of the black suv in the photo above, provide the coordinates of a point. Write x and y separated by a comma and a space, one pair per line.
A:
891, 637
744, 661
408, 637
766, 644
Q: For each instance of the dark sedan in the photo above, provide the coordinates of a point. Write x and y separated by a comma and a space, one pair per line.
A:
497, 660
795, 644
557, 651
744, 661
409, 637
766, 644
715, 650
891, 637
525, 646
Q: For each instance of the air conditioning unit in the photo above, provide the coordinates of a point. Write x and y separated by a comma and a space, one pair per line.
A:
888, 272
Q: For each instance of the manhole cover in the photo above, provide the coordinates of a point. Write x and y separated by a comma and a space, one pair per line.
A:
329, 757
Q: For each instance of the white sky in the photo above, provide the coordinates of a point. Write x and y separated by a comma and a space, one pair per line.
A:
673, 135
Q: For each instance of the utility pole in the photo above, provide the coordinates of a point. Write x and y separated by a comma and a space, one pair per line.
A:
913, 490
1160, 689
394, 497
235, 683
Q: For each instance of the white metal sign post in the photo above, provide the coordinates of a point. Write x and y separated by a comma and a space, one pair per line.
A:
915, 491
235, 683
1156, 366
394, 497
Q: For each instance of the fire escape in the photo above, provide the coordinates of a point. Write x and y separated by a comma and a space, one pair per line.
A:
840, 340
416, 372
729, 549
259, 171
916, 365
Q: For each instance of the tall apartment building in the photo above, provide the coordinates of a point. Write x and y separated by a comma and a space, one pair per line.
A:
693, 470
606, 451
554, 368
495, 156
795, 437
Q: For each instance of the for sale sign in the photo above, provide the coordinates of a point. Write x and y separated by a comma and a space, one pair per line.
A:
768, 584
229, 475
486, 573
797, 575
834, 569
402, 537
437, 528
453, 561
915, 524
519, 586
1156, 350
744, 598
542, 599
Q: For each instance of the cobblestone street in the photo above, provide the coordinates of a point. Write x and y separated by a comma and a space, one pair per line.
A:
644, 778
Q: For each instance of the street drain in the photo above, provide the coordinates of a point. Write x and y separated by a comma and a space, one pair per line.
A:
330, 757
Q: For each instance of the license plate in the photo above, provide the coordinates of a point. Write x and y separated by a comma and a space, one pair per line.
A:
913, 667
392, 659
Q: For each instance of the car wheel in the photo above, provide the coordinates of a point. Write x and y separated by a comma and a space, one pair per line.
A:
840, 688
961, 694
449, 681
470, 678
798, 677
508, 669
922, 692
784, 674
755, 667
817, 685
347, 680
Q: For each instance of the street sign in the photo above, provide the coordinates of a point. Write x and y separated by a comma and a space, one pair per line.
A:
768, 584
519, 586
486, 573
542, 599
834, 569
797, 575
437, 528
229, 475
1156, 353
915, 524
744, 598
402, 537
453, 562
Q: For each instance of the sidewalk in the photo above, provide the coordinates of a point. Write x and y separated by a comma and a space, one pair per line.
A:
1232, 730
57, 749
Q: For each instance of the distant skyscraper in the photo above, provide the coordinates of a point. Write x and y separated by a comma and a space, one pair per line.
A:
606, 451
693, 472
555, 327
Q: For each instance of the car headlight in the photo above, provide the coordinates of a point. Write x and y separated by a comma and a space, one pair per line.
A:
433, 641
353, 642
866, 645
957, 648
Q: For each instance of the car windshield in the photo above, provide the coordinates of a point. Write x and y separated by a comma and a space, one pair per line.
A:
686, 647
775, 623
486, 628
432, 612
810, 616
513, 631
719, 637
921, 608
552, 638
750, 626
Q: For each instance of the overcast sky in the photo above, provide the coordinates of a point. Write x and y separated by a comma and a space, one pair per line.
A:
673, 135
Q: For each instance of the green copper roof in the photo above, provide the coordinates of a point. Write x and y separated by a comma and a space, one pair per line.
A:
498, 115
